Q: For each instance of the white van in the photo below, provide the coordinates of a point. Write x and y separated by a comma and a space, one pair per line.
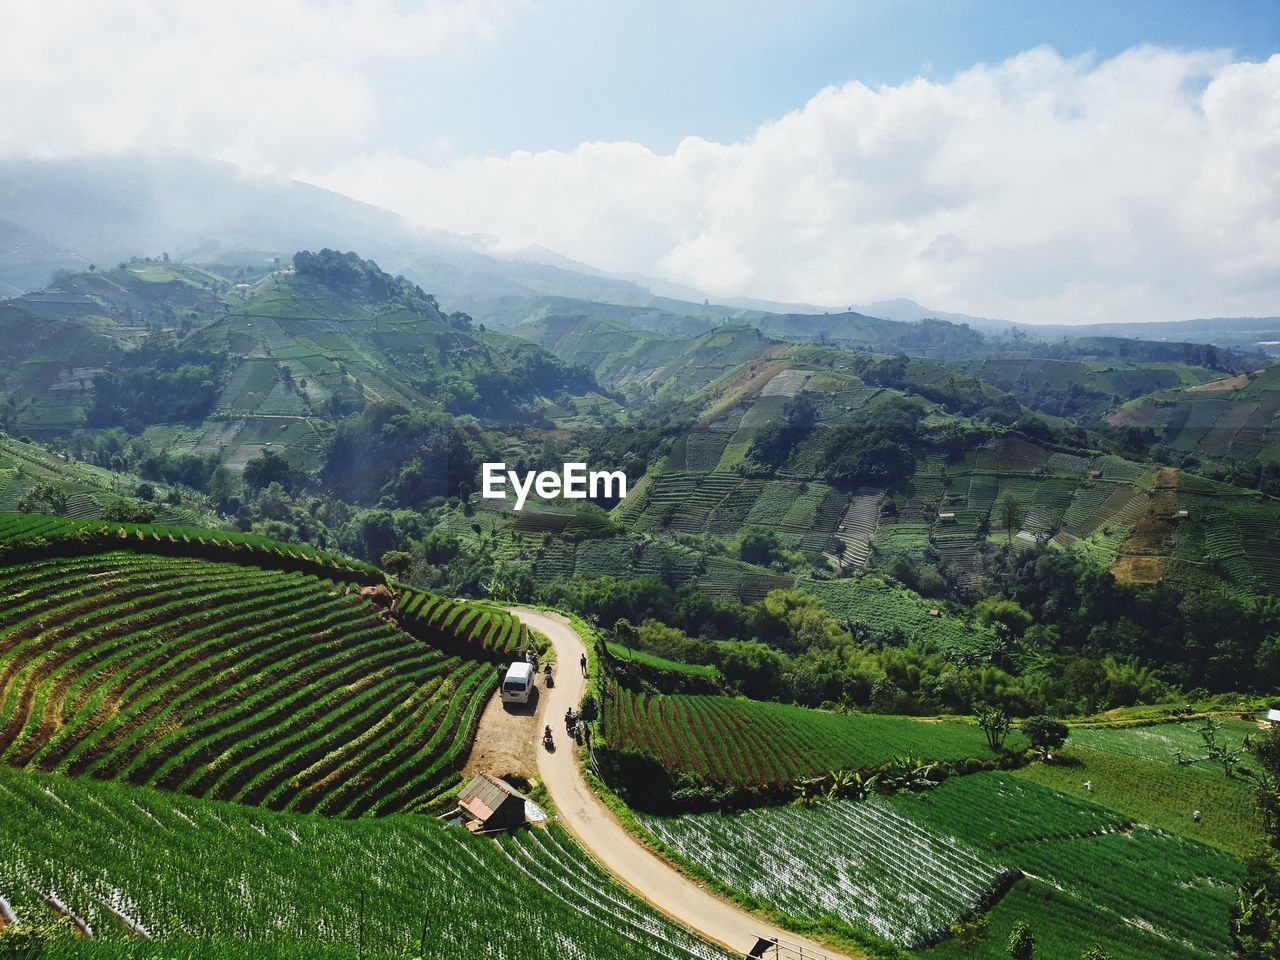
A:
518, 683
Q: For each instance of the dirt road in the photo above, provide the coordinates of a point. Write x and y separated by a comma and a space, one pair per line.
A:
590, 821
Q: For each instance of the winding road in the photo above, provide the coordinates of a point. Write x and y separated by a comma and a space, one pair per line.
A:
583, 814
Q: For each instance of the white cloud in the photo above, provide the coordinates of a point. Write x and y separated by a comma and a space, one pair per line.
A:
271, 84
1146, 186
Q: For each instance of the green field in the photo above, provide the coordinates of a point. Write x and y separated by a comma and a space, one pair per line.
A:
748, 743
216, 880
895, 611
1093, 876
227, 681
879, 872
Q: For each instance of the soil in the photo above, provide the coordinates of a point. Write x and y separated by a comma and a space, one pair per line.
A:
505, 744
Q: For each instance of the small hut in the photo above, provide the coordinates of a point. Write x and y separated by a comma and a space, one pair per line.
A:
487, 803
1273, 717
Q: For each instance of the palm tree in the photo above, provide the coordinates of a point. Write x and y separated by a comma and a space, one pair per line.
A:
1009, 514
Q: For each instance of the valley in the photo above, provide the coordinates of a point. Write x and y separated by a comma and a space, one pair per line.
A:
897, 635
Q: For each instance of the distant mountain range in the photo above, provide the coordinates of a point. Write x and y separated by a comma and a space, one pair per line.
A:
68, 214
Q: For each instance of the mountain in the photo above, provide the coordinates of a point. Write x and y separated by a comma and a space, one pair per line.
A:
1248, 334
234, 365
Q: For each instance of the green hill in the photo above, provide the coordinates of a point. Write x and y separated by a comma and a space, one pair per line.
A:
229, 667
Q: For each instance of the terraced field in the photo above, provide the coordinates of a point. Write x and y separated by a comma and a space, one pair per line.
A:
894, 611
1092, 876
227, 681
880, 872
473, 628
207, 879
749, 743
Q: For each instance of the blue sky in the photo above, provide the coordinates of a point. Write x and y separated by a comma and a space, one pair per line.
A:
565, 71
1029, 160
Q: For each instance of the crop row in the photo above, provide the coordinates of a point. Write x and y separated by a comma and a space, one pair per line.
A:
191, 872
448, 622
749, 743
858, 864
23, 535
226, 681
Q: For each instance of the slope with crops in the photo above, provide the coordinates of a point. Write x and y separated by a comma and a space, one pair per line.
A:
143, 873
233, 680
756, 746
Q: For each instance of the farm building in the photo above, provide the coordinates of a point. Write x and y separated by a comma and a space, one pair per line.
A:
946, 517
487, 803
1273, 717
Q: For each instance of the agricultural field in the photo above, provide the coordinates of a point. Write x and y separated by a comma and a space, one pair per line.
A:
1081, 388
31, 534
1092, 876
880, 872
89, 489
750, 744
1228, 419
202, 878
1162, 742
476, 628
228, 681
895, 611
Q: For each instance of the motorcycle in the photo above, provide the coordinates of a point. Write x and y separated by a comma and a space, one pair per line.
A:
548, 679
548, 743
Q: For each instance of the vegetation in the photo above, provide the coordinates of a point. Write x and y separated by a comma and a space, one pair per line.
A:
207, 879
231, 682
749, 745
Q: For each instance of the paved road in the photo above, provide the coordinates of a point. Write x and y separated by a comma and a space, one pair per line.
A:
589, 820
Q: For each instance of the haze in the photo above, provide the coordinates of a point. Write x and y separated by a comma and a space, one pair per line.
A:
839, 154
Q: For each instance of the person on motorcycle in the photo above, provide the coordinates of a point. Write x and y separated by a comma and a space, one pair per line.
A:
546, 734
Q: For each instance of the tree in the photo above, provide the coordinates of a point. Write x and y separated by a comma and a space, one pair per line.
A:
1215, 752
624, 632
1009, 512
994, 722
1045, 734
1255, 916
971, 933
1022, 942
396, 562
267, 468
1008, 619
1095, 953
44, 498
759, 546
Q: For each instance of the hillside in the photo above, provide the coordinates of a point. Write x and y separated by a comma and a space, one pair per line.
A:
1229, 419
234, 669
271, 361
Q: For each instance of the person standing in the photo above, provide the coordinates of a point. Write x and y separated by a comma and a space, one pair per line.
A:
582, 662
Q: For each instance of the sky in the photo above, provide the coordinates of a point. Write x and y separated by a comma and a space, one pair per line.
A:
1060, 162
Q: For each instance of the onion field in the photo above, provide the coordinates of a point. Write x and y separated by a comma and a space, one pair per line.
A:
227, 681
861, 866
201, 878
30, 534
1139, 892
750, 743
475, 626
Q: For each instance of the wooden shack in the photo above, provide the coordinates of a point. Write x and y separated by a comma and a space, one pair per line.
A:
487, 803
